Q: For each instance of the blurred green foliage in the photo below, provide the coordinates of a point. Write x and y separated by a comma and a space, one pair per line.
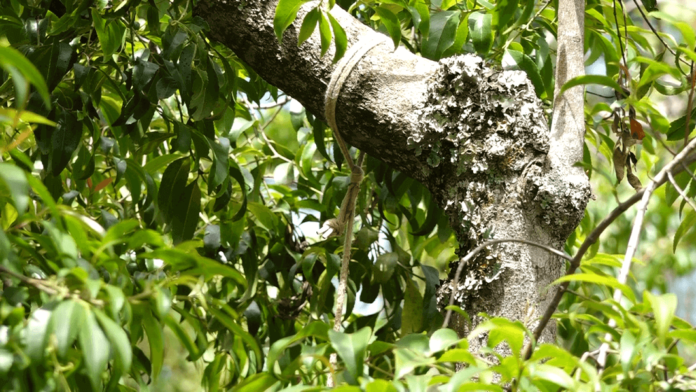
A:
151, 211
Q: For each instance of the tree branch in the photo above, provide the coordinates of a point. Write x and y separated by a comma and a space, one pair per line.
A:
473, 253
590, 240
377, 108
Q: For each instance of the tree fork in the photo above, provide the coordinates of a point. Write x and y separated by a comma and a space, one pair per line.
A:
475, 136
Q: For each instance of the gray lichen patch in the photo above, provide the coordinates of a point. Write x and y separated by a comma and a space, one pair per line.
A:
562, 201
479, 129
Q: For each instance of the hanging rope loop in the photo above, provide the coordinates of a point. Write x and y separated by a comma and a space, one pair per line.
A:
346, 218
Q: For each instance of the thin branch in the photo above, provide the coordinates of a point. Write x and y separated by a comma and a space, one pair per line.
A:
645, 18
36, 283
46, 286
465, 260
618, 35
689, 105
681, 191
270, 105
589, 241
634, 239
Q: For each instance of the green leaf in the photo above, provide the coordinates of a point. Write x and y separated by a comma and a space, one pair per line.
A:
650, 5
325, 34
443, 32
173, 182
591, 79
237, 175
411, 353
655, 70
598, 279
251, 343
554, 375
9, 114
500, 330
318, 129
684, 334
526, 64
687, 223
155, 164
391, 22
663, 307
95, 349
502, 13
36, 336
458, 355
184, 338
628, 345
678, 127
10, 57
64, 141
118, 339
66, 322
257, 383
286, 12
351, 348
384, 267
220, 169
111, 33
423, 11
53, 61
283, 174
211, 94
412, 314
443, 339
308, 25
434, 214
45, 196
15, 180
341, 38
481, 31
380, 386
316, 329
265, 217
185, 215
143, 72
460, 38
156, 340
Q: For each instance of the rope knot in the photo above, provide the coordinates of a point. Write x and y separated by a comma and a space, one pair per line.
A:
356, 175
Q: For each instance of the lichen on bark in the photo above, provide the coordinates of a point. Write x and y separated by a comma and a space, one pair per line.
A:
484, 126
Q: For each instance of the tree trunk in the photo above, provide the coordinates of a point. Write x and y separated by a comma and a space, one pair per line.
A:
476, 137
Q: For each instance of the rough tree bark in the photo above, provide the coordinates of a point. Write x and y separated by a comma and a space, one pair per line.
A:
477, 137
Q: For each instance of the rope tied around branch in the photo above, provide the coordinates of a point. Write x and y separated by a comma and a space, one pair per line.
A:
346, 218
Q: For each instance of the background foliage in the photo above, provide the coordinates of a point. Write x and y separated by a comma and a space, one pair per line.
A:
159, 204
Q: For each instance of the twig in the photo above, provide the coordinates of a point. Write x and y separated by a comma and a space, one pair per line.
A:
584, 357
589, 241
634, 239
270, 105
645, 18
45, 287
465, 260
689, 105
38, 284
618, 35
680, 191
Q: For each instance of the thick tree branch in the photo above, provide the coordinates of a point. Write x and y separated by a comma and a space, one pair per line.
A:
376, 111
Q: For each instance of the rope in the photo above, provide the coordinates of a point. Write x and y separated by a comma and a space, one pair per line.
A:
338, 78
346, 217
